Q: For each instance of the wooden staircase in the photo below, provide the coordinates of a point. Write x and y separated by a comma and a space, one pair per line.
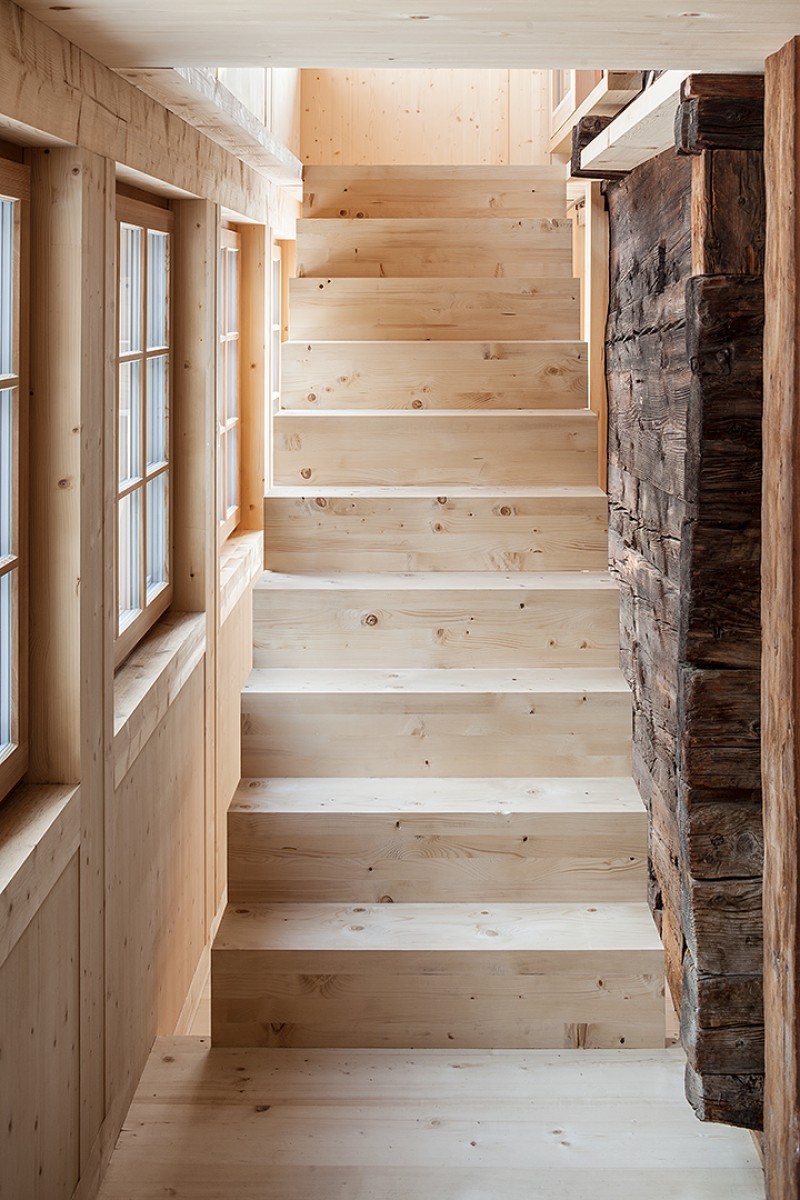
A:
436, 841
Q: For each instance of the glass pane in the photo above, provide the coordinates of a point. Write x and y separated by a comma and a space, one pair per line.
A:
157, 534
232, 290
7, 287
157, 289
130, 463
130, 289
221, 491
157, 410
129, 558
6, 660
232, 468
276, 292
232, 389
6, 471
275, 364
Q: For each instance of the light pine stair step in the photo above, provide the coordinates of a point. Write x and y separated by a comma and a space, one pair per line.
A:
436, 529
441, 449
475, 619
438, 975
435, 375
360, 1125
523, 248
454, 722
414, 309
430, 840
380, 191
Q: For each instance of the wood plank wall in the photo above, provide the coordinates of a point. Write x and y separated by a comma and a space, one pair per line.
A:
684, 353
112, 862
424, 117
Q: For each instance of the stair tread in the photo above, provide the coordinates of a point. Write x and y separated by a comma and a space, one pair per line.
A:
470, 795
440, 927
447, 680
388, 171
426, 491
451, 581
536, 415
444, 346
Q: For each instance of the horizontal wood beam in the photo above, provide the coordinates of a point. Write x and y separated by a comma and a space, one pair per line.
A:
720, 112
66, 97
641, 131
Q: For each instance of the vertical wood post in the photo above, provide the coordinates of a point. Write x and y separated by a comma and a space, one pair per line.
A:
195, 502
780, 695
71, 692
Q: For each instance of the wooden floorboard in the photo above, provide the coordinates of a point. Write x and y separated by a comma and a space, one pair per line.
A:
393, 1125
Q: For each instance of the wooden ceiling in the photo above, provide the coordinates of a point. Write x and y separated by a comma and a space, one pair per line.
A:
713, 35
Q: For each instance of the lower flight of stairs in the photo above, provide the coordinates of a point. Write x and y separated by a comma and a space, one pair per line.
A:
436, 842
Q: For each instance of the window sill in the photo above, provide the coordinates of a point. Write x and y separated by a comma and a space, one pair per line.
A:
39, 834
148, 682
241, 563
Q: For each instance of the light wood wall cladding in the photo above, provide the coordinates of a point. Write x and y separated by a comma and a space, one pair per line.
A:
685, 487
453, 309
556, 448
435, 375
518, 248
459, 191
779, 695
236, 657
524, 530
424, 116
39, 1049
376, 840
155, 865
105, 917
285, 115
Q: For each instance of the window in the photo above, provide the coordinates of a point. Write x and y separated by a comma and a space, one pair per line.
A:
228, 408
13, 598
276, 326
143, 425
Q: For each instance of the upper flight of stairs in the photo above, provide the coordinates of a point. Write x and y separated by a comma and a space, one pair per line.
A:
436, 842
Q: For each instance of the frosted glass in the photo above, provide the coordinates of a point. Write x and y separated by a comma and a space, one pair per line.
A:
157, 410
130, 289
232, 290
232, 467
6, 466
232, 388
130, 466
157, 289
129, 568
6, 660
157, 534
7, 287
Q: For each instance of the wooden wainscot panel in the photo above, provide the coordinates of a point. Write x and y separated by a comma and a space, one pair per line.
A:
39, 1040
156, 889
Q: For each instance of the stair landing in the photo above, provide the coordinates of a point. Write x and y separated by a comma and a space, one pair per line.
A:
394, 1124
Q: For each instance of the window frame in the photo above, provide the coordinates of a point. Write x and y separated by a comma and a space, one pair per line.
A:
230, 241
15, 186
146, 215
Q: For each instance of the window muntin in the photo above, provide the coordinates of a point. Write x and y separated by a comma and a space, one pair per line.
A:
229, 389
143, 420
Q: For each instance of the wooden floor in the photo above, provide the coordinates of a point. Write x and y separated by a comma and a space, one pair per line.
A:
230, 1124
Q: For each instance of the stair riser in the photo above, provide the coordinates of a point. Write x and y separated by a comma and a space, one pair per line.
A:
472, 533
538, 193
527, 249
435, 735
435, 629
425, 858
433, 375
549, 999
435, 449
432, 310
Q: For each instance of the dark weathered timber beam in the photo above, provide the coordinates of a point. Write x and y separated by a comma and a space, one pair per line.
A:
586, 130
781, 622
726, 1099
720, 112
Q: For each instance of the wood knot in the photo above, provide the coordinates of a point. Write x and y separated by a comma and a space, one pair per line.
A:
321, 502
416, 404
306, 472
311, 397
441, 499
505, 511
370, 619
